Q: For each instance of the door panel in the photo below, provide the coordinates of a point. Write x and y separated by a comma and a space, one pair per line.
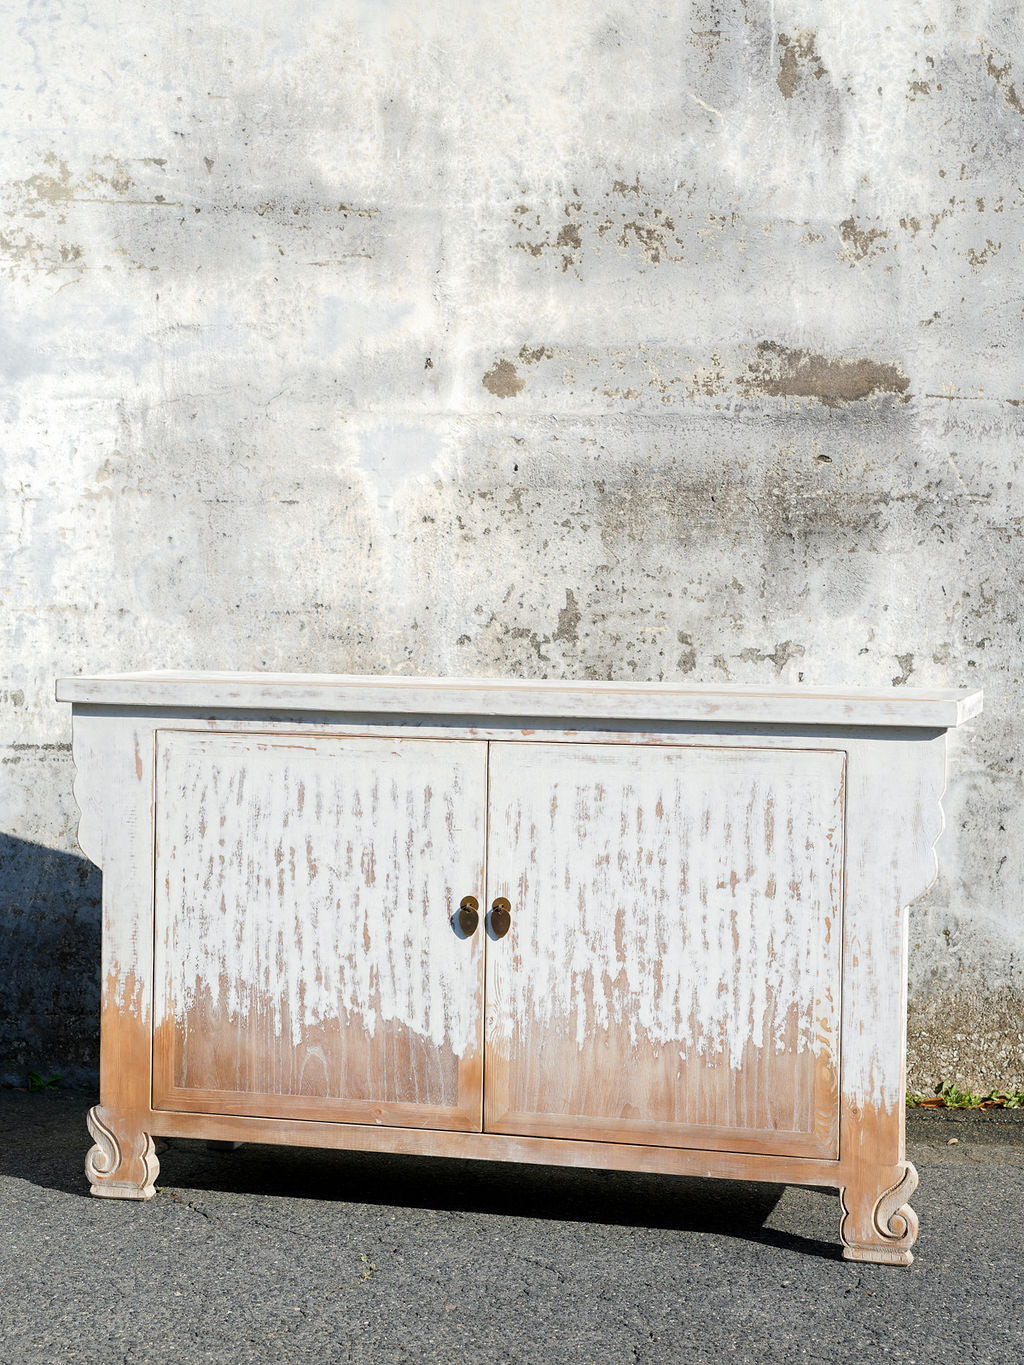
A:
671, 975
307, 965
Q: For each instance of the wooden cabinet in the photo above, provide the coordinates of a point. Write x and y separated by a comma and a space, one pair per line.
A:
640, 928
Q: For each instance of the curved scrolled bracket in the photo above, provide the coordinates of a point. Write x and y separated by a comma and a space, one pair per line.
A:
893, 1217
121, 1166
893, 1224
104, 1158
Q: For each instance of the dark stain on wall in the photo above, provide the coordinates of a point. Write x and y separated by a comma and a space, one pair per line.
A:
626, 219
1001, 76
532, 355
859, 240
980, 258
502, 380
569, 618
778, 371
906, 663
687, 660
798, 58
784, 651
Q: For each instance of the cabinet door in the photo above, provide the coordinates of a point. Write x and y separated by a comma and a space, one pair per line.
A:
307, 962
672, 971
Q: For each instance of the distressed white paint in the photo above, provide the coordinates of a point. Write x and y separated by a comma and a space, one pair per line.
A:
678, 896
499, 696
319, 875
894, 821
894, 782
113, 788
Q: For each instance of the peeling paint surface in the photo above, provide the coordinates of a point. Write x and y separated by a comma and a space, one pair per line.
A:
310, 881
745, 280
698, 896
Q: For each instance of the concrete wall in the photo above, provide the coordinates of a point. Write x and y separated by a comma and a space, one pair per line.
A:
549, 339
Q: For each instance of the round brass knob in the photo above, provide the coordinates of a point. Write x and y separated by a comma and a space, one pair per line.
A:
468, 917
501, 917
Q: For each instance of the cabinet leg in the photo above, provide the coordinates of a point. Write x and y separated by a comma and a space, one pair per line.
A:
123, 1163
880, 1227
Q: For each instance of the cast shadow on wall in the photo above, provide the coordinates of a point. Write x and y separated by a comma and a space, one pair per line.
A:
49, 964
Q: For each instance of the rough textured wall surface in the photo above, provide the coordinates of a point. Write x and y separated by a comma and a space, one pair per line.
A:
549, 339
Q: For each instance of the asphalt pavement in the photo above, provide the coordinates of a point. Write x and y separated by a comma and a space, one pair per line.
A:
284, 1255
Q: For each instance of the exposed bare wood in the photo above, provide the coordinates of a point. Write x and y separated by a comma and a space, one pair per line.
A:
598, 1156
882, 1227
123, 1163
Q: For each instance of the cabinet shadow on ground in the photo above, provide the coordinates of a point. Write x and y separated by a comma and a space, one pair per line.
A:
46, 1142
559, 1194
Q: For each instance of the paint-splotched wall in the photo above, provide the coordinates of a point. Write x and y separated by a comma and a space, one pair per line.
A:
545, 339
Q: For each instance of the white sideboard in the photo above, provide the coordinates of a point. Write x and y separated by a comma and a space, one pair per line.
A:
640, 927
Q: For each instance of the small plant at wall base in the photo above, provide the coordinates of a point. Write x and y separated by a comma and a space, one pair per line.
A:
949, 1096
36, 1081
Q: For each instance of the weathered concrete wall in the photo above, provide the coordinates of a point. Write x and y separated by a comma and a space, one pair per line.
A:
551, 339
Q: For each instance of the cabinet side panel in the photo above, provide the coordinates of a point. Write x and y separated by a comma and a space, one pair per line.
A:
673, 969
307, 963
894, 821
114, 790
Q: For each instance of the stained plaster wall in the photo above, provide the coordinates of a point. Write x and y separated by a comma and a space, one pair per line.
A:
546, 339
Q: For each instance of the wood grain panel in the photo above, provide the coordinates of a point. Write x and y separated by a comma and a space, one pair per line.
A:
672, 972
475, 1146
306, 960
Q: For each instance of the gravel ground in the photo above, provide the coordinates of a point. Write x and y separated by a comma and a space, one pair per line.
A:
276, 1254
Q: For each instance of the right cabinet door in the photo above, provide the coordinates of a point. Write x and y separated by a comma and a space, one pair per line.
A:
672, 971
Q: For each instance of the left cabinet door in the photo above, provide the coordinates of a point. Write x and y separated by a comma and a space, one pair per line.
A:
309, 962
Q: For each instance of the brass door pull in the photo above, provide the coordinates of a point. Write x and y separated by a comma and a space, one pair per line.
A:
501, 917
468, 916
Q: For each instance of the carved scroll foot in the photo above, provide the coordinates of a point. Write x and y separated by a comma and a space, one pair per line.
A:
880, 1227
123, 1163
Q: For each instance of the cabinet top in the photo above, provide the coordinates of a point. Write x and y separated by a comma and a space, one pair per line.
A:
636, 701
